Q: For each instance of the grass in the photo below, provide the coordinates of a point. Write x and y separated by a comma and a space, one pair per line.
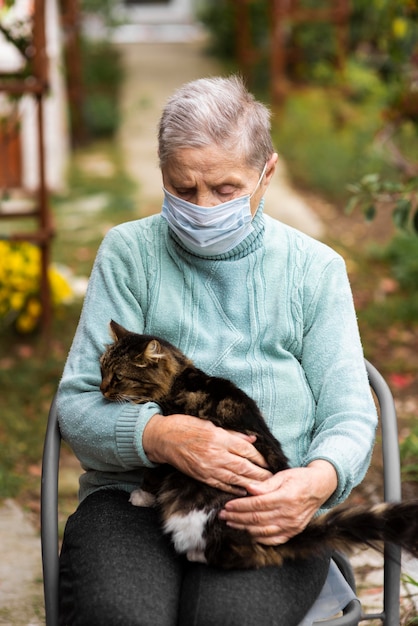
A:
100, 196
324, 141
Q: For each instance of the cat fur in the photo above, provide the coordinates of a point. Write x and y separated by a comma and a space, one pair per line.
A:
144, 368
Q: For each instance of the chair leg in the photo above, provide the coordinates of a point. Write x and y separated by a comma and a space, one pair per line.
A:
49, 516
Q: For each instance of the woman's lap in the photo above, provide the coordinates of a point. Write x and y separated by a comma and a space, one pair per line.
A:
118, 568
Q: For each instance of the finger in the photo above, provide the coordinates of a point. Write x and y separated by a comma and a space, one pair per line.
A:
244, 474
249, 438
241, 446
251, 473
255, 519
275, 540
267, 535
274, 483
253, 455
229, 488
245, 470
251, 506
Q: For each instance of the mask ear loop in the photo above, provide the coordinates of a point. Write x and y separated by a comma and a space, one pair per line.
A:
259, 180
257, 186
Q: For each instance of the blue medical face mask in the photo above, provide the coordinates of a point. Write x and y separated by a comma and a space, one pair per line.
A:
210, 231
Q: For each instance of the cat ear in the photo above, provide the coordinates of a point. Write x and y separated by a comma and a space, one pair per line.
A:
117, 331
153, 352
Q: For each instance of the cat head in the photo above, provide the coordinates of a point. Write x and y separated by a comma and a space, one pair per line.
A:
138, 368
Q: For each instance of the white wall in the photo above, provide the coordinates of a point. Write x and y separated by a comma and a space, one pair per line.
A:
56, 135
173, 11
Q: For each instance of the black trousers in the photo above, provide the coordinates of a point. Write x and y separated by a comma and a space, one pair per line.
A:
117, 568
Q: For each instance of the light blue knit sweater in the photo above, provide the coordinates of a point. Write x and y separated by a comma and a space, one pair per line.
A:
275, 315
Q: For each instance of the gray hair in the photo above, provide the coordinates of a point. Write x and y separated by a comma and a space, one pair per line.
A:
216, 111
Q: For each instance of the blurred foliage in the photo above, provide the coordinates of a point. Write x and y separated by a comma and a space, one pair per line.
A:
98, 115
102, 78
219, 16
382, 33
382, 66
401, 254
16, 30
327, 139
409, 456
373, 191
29, 373
399, 259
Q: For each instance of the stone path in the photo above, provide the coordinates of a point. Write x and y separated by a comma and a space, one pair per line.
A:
21, 594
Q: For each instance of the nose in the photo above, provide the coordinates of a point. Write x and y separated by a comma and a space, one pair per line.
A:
206, 199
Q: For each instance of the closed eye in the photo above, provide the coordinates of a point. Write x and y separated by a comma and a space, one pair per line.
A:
184, 193
225, 190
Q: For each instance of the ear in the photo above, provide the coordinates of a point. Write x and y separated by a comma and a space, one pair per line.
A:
153, 352
117, 331
271, 168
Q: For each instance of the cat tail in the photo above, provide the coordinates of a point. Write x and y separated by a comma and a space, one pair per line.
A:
346, 526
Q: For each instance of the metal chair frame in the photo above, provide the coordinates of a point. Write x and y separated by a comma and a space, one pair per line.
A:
352, 614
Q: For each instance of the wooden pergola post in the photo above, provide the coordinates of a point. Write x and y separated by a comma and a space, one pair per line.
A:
71, 17
287, 12
244, 48
36, 85
280, 11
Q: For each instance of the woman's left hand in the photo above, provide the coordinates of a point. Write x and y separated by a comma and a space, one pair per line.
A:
281, 506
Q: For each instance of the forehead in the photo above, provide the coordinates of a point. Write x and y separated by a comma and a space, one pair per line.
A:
212, 164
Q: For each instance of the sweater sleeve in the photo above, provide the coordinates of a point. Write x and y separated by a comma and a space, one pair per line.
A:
105, 436
332, 359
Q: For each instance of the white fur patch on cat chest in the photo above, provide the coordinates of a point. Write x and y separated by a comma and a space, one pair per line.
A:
187, 533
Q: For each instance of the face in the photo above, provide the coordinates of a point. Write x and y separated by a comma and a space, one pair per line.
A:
210, 176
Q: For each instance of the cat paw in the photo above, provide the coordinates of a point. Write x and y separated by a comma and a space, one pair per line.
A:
142, 498
196, 556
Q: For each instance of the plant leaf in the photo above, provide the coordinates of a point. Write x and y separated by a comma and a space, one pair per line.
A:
415, 222
354, 188
371, 182
351, 205
369, 212
401, 213
370, 179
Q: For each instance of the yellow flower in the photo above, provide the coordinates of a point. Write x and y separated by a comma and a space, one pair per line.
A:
20, 285
17, 301
399, 27
61, 290
33, 308
26, 323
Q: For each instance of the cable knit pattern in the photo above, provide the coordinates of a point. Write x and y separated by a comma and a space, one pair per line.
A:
275, 314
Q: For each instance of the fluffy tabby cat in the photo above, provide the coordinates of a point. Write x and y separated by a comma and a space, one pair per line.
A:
143, 368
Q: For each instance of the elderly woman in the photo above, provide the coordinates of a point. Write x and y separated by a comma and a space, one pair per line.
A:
249, 299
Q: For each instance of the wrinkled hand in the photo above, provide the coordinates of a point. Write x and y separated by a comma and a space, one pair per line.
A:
282, 506
223, 459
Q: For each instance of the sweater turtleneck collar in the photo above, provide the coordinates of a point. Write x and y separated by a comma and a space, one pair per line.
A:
252, 242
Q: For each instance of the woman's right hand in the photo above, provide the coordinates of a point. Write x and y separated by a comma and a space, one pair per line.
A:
221, 458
